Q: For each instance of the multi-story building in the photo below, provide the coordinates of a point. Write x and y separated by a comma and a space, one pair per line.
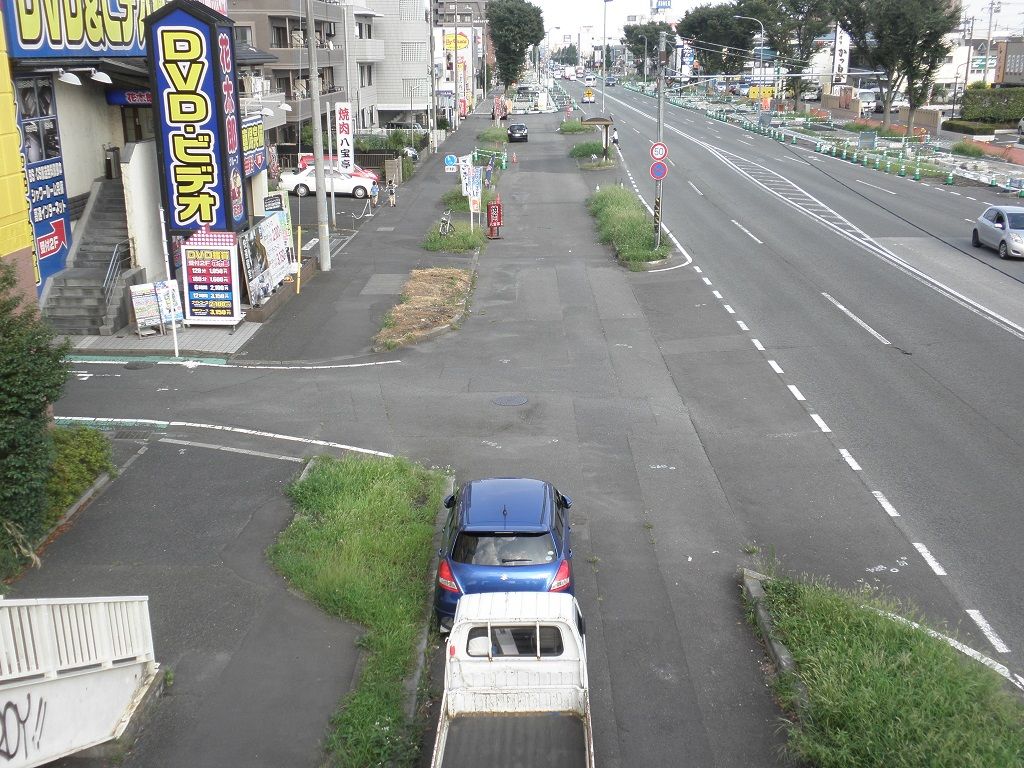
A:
374, 55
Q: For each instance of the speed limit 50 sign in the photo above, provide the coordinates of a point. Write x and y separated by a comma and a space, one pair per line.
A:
659, 151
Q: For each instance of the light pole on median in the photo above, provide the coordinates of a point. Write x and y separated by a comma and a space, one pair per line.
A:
604, 55
645, 57
761, 49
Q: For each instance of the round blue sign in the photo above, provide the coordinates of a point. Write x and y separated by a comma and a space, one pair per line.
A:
659, 170
451, 160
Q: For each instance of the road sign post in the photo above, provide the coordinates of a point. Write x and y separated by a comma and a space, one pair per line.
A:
659, 163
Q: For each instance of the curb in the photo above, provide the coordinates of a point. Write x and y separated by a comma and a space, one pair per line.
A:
753, 594
412, 682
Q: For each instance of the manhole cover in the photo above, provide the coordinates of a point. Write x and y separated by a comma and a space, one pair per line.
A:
510, 400
139, 365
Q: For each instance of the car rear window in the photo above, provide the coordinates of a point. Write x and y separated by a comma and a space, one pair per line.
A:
504, 548
543, 640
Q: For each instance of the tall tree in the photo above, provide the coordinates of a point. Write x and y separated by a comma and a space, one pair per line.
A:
567, 55
515, 26
641, 40
902, 39
721, 44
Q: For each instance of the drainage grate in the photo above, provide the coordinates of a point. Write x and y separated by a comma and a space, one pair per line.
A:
138, 366
510, 400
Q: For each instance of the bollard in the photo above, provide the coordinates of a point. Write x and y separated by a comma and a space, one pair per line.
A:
853, 157
949, 179
844, 152
1020, 192
903, 170
888, 165
794, 139
878, 163
817, 146
991, 181
864, 161
917, 173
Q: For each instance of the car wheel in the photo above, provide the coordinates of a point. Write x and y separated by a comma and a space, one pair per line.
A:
301, 190
975, 240
359, 193
1003, 252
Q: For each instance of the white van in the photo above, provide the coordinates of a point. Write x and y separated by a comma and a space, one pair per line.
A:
590, 80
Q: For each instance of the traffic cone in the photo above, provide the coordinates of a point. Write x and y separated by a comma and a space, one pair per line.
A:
949, 179
917, 173
514, 158
903, 170
992, 181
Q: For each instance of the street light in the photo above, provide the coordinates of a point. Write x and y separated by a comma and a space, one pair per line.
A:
548, 43
645, 57
604, 56
761, 51
956, 81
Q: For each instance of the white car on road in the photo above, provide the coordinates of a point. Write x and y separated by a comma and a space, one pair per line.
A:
303, 182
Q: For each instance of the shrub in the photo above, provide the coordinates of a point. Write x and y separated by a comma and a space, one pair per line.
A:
968, 149
33, 372
494, 133
574, 126
459, 241
993, 105
80, 456
459, 203
588, 148
969, 127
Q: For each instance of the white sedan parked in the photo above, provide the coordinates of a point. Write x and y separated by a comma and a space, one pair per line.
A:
303, 182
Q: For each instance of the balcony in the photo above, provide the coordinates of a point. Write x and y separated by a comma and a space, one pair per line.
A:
268, 100
367, 50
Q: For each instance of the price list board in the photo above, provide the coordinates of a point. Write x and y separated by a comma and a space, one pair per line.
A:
210, 261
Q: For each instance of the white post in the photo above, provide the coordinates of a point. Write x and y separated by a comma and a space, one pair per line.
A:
167, 274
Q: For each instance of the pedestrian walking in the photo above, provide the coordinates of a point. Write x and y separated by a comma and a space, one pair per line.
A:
615, 136
374, 192
487, 173
392, 193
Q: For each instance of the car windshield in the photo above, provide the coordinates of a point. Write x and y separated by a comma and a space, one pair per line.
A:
504, 548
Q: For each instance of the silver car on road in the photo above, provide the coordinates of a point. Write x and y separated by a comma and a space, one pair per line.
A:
1001, 227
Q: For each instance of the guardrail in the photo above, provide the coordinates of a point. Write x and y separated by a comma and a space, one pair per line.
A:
44, 639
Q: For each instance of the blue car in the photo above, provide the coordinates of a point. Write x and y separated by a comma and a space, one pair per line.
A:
503, 534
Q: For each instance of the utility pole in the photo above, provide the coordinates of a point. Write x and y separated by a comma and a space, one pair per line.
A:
318, 146
604, 56
993, 8
659, 184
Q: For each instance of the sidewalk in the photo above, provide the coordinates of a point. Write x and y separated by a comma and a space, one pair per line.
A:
337, 313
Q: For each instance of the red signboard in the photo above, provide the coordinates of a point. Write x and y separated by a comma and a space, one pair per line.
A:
494, 212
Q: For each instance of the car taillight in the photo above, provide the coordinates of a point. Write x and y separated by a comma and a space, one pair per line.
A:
446, 579
562, 578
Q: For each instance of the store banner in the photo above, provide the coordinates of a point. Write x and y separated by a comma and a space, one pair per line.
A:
343, 132
119, 97
196, 118
840, 57
265, 251
44, 168
74, 29
210, 264
254, 146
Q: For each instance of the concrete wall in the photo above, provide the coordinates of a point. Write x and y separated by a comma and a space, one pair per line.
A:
140, 173
87, 122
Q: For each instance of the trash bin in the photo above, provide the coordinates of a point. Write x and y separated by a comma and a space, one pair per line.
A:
113, 163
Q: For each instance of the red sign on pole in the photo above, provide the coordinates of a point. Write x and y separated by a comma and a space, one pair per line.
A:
494, 218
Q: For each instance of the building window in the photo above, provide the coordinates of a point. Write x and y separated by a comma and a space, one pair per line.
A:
415, 51
364, 30
365, 75
278, 35
243, 36
410, 10
283, 84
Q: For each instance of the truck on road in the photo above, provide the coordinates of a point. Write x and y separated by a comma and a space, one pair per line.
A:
569, 73
515, 684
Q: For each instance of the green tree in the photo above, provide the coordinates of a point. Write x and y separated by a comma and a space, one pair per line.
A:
515, 26
567, 55
902, 39
641, 40
722, 44
32, 375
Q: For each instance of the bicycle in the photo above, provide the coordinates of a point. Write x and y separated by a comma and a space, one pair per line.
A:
446, 227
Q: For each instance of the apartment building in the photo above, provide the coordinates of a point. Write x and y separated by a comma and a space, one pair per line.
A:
374, 55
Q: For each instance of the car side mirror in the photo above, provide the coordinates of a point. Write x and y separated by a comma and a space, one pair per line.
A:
566, 501
449, 501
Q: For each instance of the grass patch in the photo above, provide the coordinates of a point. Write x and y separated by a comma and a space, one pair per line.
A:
459, 241
967, 149
883, 693
359, 547
623, 222
431, 298
494, 133
459, 203
588, 148
575, 126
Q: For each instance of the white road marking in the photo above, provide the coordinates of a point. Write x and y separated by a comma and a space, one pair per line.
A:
889, 508
972, 198
775, 367
227, 449
796, 393
795, 160
857, 320
742, 325
671, 162
849, 459
987, 630
695, 188
706, 281
749, 233
742, 141
887, 191
98, 421
697, 269
729, 309
969, 220
253, 367
820, 422
954, 193
928, 558
716, 294
757, 345
925, 184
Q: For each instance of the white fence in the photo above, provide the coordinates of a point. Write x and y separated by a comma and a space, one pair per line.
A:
72, 672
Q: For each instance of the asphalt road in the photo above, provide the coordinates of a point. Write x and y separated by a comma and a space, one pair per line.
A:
931, 417
820, 356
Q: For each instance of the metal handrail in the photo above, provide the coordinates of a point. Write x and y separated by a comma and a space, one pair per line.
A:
116, 263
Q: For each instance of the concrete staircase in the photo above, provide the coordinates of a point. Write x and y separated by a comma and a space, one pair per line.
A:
76, 301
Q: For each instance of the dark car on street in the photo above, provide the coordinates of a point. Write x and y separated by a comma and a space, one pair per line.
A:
503, 534
518, 132
610, 81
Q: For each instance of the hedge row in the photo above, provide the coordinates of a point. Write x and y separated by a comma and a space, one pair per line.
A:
993, 105
969, 127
